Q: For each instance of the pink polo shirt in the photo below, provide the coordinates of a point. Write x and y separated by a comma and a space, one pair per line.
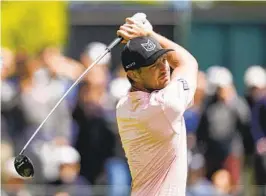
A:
153, 134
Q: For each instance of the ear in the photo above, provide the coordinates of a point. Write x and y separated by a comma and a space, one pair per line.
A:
134, 75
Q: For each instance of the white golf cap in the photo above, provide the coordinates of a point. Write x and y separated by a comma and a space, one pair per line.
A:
255, 76
223, 77
95, 49
218, 76
67, 155
212, 71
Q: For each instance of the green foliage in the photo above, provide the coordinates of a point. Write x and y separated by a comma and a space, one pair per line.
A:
32, 24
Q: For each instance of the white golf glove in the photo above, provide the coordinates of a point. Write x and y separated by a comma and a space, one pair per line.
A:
141, 20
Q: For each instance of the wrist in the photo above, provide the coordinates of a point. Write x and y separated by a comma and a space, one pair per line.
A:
151, 33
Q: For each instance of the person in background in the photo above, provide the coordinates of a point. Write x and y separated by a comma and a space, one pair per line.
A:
211, 77
198, 184
99, 74
61, 68
192, 115
40, 89
92, 51
105, 93
222, 182
255, 82
222, 144
94, 137
69, 181
258, 131
65, 71
12, 121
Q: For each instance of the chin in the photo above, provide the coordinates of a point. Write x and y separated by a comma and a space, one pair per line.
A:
161, 85
166, 82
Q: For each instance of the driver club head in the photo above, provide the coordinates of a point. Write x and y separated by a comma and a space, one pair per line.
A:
24, 166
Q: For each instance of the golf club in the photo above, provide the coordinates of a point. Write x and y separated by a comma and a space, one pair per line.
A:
22, 163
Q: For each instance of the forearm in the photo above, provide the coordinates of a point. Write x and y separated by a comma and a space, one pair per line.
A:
183, 63
177, 58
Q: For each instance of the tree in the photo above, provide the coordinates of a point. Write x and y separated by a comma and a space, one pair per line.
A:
32, 24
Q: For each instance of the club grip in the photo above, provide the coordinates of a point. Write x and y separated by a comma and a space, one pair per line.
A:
115, 42
138, 16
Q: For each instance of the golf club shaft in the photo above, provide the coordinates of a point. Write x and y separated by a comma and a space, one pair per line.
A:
108, 49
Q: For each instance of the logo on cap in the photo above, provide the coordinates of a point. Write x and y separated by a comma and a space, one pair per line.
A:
130, 65
149, 46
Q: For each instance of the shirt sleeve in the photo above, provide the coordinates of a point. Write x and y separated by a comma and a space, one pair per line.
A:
176, 97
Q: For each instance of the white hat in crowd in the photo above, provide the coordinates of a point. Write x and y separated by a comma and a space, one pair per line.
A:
119, 87
255, 76
224, 77
95, 49
218, 76
67, 155
58, 155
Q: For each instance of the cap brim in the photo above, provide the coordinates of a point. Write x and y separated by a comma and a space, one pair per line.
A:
152, 59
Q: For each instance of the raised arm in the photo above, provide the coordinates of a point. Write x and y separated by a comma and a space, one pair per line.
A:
179, 93
184, 64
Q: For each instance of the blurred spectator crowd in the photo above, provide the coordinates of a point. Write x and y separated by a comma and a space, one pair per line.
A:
78, 151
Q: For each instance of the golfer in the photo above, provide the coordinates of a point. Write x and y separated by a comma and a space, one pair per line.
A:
150, 116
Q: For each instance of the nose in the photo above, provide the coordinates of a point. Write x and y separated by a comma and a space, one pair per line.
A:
164, 67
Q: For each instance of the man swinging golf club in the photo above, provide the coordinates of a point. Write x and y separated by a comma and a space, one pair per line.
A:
22, 163
150, 116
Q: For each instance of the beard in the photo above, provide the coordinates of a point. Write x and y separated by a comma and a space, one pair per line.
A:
152, 89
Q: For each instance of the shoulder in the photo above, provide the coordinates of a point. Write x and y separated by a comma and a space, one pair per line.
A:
122, 102
178, 94
138, 104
